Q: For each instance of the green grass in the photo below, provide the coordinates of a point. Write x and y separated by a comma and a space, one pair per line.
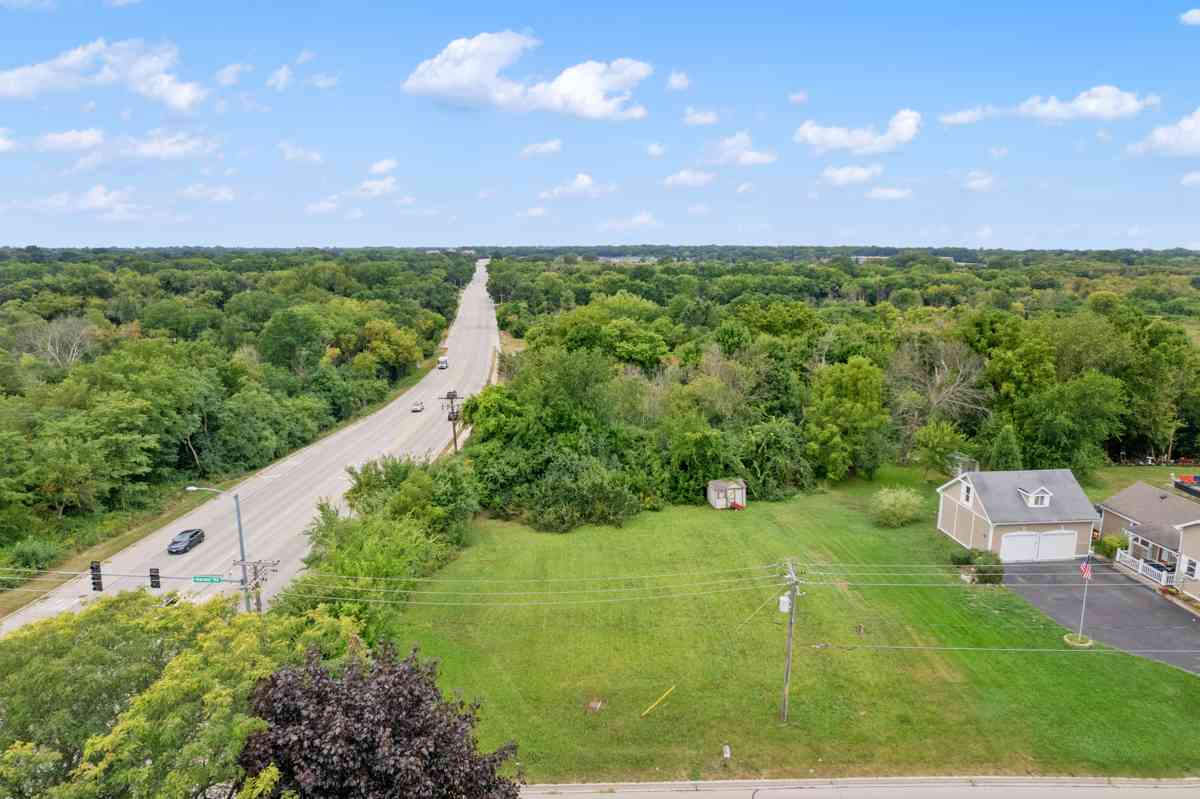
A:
853, 711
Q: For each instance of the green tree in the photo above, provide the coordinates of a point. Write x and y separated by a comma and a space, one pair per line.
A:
295, 339
1005, 453
845, 419
935, 443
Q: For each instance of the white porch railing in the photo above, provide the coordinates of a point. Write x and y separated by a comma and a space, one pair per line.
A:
1144, 569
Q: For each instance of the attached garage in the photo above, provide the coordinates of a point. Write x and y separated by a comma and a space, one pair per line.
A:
1028, 546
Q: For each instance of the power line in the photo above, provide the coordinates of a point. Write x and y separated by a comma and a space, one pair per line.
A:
307, 595
821, 645
376, 589
613, 578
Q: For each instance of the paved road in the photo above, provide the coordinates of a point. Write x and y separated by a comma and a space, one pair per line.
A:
1121, 611
916, 788
279, 501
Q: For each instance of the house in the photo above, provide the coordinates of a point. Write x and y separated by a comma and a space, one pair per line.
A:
724, 494
1163, 533
1022, 516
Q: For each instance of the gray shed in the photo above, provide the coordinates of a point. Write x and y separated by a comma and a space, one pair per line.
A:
727, 494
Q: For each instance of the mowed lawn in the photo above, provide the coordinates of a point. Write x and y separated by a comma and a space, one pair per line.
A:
854, 711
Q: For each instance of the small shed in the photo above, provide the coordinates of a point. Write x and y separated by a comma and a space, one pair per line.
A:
727, 494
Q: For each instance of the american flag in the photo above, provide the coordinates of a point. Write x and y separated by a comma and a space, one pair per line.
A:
1085, 569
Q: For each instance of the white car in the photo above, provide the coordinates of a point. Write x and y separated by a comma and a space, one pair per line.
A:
418, 406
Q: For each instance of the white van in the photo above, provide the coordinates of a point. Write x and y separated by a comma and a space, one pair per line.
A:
443, 362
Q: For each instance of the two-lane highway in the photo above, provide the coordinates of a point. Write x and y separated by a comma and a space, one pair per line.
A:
279, 501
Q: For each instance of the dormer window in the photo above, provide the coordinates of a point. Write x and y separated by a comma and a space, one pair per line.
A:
1036, 499
966, 493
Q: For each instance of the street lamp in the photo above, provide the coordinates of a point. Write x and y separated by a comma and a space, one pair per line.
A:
237, 511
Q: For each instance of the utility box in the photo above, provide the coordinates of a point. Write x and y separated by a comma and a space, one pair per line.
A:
727, 494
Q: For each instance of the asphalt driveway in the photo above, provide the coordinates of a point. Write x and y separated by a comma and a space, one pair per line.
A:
1121, 611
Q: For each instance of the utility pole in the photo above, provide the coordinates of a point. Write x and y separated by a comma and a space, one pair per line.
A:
450, 401
793, 581
259, 569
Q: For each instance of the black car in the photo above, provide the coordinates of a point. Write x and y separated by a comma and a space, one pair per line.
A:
184, 541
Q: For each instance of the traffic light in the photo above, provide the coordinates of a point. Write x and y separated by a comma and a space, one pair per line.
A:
97, 584
155, 582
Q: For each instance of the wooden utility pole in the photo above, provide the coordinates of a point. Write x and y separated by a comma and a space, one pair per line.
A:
787, 669
450, 402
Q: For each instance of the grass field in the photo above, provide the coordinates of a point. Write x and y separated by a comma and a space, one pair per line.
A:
535, 668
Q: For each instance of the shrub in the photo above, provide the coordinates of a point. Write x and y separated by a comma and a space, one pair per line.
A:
580, 489
35, 553
1109, 544
895, 507
989, 569
962, 557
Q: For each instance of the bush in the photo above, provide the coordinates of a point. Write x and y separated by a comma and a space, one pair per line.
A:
579, 489
1109, 544
35, 553
989, 569
895, 507
962, 557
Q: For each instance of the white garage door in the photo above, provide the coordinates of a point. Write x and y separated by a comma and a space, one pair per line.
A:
1019, 546
1058, 545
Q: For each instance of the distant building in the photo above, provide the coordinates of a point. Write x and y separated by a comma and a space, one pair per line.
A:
727, 494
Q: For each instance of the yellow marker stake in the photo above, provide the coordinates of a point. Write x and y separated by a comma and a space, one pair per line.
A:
657, 702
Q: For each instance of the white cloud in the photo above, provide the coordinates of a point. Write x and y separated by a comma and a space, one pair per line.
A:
796, 98
144, 71
126, 114
902, 128
378, 187
1098, 102
978, 180
406, 200
678, 81
641, 219
110, 205
542, 148
468, 71
212, 194
968, 116
323, 207
354, 214
485, 194
7, 144
694, 116
699, 209
323, 80
656, 150
229, 75
71, 140
1191, 179
1190, 17
280, 79
997, 152
1135, 231
305, 56
163, 145
1182, 138
850, 174
252, 106
534, 213
689, 179
88, 107
984, 233
745, 188
294, 152
1103, 135
582, 185
739, 149
382, 167
121, 3
886, 193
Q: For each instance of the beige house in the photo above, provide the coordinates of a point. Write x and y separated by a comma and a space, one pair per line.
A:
1021, 516
1163, 531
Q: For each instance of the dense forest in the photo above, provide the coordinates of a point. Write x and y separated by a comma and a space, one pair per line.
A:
125, 372
643, 379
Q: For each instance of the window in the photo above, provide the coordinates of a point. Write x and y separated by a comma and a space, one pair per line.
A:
1039, 501
966, 493
1190, 569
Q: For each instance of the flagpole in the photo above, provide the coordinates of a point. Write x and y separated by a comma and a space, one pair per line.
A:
1086, 570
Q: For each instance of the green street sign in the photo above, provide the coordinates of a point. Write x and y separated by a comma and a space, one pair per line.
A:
206, 578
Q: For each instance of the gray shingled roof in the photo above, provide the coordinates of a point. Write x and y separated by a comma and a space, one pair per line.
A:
1000, 494
1156, 511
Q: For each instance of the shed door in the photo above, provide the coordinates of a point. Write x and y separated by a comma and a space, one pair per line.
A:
1059, 545
1019, 546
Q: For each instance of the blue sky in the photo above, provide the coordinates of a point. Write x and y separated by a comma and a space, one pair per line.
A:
251, 124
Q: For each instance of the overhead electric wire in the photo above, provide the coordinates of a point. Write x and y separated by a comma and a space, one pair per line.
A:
757, 580
305, 594
822, 645
611, 578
